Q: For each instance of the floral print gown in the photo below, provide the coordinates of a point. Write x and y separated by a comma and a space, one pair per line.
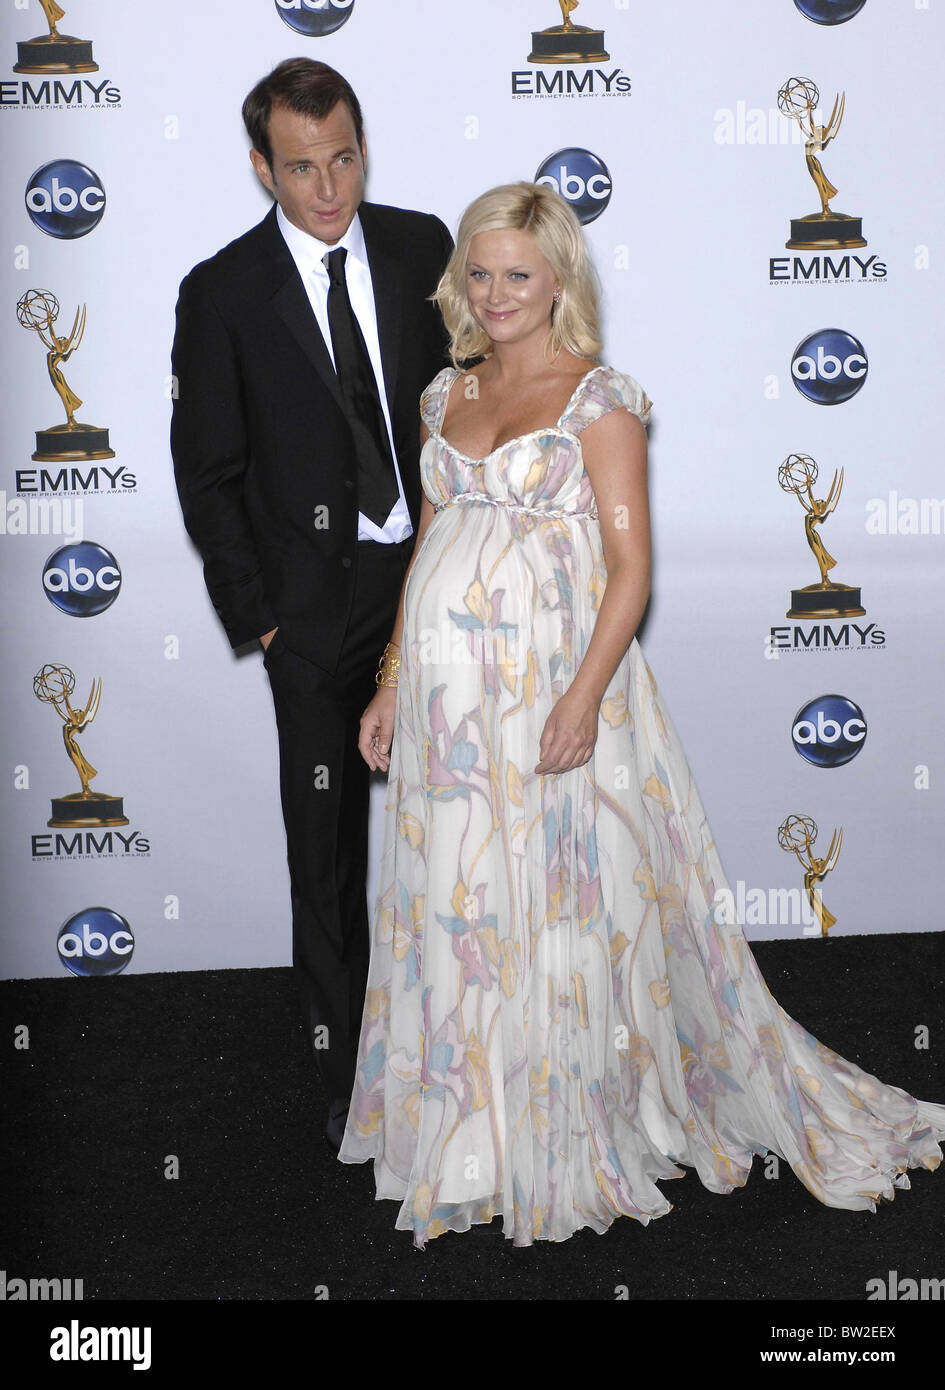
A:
555, 1020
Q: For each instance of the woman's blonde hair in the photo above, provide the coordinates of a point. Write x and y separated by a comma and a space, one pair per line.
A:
543, 213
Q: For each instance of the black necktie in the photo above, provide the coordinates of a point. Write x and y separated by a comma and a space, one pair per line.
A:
377, 482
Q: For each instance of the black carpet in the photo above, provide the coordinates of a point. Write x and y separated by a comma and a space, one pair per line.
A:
123, 1076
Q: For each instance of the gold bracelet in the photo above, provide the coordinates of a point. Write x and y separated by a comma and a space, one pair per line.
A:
388, 668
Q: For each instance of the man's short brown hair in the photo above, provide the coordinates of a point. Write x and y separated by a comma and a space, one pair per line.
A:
301, 85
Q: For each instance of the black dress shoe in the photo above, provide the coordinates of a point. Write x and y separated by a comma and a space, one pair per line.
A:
335, 1129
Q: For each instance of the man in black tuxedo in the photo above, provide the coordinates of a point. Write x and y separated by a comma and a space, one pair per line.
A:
300, 355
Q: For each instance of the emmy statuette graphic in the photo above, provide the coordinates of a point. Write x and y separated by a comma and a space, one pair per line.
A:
825, 230
53, 685
797, 474
38, 311
568, 42
796, 836
54, 52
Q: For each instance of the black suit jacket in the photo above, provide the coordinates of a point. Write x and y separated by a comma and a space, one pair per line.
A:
259, 435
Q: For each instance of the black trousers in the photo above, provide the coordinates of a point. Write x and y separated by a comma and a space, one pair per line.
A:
325, 800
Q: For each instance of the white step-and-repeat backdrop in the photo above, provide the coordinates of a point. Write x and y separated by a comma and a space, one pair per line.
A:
761, 188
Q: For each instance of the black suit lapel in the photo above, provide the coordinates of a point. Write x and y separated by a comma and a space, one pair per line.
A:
292, 305
385, 279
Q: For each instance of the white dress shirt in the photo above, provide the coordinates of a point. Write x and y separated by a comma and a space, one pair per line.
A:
307, 252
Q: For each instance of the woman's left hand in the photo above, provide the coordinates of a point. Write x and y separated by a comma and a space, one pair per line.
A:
570, 732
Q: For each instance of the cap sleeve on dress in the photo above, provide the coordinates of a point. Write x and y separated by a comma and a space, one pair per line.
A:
601, 392
433, 400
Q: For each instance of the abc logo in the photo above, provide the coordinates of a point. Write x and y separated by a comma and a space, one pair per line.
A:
82, 579
95, 942
829, 366
829, 731
315, 17
829, 11
581, 178
65, 199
